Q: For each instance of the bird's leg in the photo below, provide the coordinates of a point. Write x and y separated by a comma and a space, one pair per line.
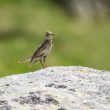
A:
42, 63
45, 63
44, 60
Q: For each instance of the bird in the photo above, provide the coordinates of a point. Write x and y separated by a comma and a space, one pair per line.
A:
42, 51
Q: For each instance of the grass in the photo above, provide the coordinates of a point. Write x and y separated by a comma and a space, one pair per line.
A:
22, 28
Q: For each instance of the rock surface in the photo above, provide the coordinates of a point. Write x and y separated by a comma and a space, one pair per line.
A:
56, 88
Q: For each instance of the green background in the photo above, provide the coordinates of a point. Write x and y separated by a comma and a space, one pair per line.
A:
76, 42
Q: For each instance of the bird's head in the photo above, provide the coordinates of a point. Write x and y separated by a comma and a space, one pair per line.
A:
49, 35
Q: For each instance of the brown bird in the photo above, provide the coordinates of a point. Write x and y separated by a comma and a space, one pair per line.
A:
42, 51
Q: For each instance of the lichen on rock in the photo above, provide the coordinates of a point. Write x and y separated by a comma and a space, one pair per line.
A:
56, 88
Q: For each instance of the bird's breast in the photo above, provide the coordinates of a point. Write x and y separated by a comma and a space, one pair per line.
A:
48, 49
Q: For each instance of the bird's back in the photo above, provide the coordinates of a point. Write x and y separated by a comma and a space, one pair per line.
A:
43, 50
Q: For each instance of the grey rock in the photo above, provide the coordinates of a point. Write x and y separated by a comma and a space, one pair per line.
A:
56, 88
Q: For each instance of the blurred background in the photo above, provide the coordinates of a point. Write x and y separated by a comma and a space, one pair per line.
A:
81, 27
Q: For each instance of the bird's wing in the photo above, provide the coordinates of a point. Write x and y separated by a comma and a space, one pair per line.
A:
39, 52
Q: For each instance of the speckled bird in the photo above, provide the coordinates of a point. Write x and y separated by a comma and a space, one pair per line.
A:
42, 51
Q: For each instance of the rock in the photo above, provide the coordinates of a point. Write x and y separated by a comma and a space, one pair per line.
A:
56, 88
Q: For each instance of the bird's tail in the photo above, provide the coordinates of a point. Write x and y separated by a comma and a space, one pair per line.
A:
25, 60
